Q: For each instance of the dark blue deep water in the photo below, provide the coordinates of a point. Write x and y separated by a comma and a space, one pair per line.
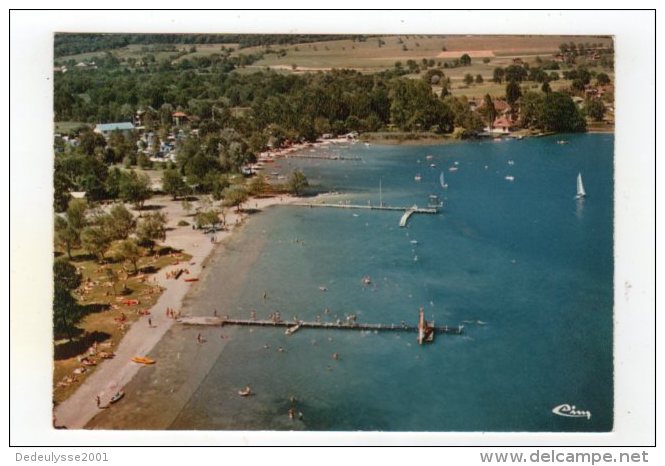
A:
526, 268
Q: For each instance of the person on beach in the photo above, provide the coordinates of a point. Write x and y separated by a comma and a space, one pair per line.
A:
149, 322
99, 401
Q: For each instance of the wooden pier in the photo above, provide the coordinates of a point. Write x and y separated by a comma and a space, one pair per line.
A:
408, 211
293, 325
323, 157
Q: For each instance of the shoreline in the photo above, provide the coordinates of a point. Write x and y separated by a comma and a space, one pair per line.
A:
112, 375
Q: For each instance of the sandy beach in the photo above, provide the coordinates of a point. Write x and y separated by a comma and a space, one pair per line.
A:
112, 375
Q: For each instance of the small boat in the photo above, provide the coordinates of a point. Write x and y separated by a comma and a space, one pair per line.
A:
429, 157
117, 397
323, 288
245, 391
367, 280
131, 302
442, 181
581, 194
561, 141
452, 169
193, 279
143, 360
417, 177
414, 241
510, 178
511, 162
432, 165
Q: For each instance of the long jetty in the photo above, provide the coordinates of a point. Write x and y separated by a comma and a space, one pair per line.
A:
323, 157
408, 211
295, 325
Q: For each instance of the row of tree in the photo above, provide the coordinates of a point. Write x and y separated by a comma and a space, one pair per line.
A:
75, 43
96, 230
99, 233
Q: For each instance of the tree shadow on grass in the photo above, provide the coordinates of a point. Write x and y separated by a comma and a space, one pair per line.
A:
94, 308
166, 250
78, 346
83, 257
148, 269
151, 207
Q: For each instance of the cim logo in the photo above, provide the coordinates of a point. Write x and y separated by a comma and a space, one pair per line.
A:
567, 410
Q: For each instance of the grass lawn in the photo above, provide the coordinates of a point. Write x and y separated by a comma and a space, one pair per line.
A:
64, 127
102, 305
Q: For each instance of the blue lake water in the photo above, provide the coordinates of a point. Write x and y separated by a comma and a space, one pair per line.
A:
526, 268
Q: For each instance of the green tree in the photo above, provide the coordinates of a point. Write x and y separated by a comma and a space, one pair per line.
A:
258, 186
207, 218
112, 277
66, 275
515, 73
498, 75
96, 241
531, 109
129, 251
76, 214
152, 228
489, 110
465, 60
66, 311
89, 141
68, 227
561, 114
595, 109
577, 86
513, 93
135, 188
546, 87
173, 184
65, 236
479, 79
297, 182
602, 79
119, 222
234, 196
468, 79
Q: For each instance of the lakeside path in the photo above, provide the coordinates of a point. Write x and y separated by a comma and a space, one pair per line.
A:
113, 374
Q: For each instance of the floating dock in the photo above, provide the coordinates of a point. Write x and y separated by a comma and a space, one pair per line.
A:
294, 325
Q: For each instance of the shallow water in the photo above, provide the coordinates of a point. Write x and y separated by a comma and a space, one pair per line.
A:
522, 265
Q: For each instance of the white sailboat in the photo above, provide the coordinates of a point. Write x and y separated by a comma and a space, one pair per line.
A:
581, 194
443, 181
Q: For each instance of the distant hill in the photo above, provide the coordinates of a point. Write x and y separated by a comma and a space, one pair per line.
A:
74, 43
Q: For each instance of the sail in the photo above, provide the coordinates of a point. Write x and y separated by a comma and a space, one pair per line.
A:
443, 182
580, 186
